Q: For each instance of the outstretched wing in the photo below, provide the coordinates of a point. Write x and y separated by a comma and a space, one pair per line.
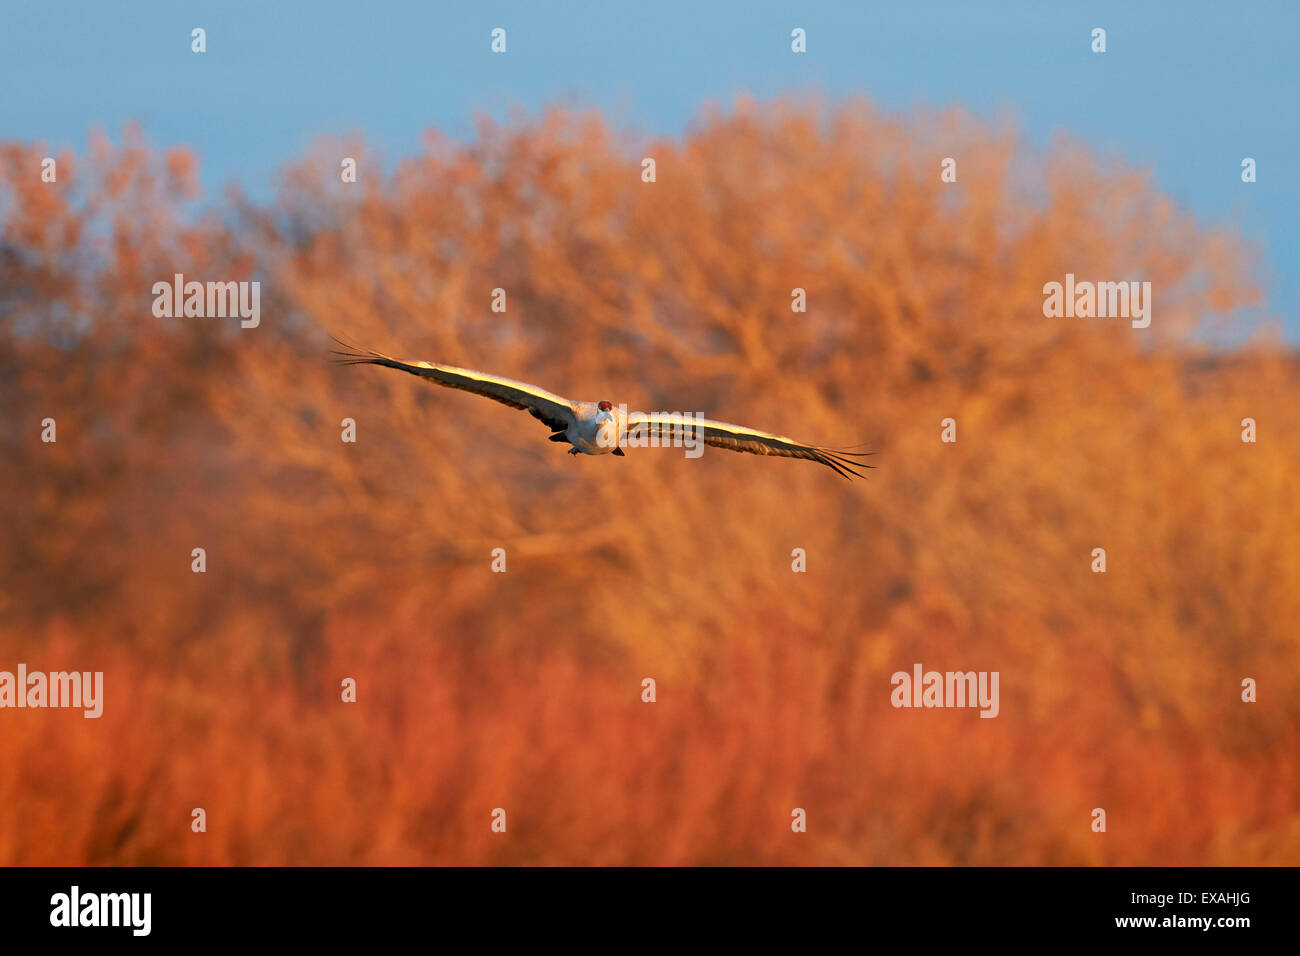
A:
556, 412
740, 438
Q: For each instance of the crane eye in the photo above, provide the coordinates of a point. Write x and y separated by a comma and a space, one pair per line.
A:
605, 406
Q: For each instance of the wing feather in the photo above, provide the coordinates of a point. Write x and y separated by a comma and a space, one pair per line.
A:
750, 440
555, 411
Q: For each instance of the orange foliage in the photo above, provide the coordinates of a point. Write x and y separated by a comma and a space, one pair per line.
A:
522, 690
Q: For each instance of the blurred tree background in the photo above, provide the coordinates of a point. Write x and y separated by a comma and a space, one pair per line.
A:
521, 690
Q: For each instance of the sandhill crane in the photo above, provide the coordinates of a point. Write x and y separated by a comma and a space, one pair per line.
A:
599, 428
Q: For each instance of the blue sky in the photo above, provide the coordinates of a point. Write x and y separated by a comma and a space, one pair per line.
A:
1186, 89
